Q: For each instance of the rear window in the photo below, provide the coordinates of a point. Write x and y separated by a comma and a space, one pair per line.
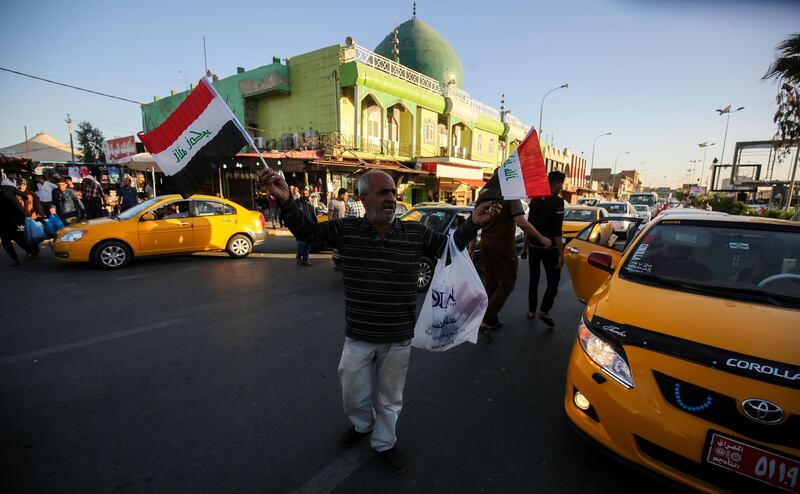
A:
646, 199
753, 264
435, 219
615, 208
578, 215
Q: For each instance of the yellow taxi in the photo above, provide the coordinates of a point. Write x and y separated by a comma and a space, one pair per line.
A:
687, 359
162, 225
576, 218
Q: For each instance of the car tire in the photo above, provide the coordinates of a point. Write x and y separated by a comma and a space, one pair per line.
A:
425, 274
111, 254
239, 246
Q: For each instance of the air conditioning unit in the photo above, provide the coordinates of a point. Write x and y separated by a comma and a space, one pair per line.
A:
259, 141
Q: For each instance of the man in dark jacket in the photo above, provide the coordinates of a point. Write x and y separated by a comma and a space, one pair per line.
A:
12, 222
66, 203
308, 211
380, 265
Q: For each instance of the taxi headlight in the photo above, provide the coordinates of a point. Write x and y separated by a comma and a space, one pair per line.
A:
73, 236
604, 354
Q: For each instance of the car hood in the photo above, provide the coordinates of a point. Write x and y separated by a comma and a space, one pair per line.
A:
764, 331
90, 225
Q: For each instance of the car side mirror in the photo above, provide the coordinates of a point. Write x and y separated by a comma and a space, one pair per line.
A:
148, 217
601, 260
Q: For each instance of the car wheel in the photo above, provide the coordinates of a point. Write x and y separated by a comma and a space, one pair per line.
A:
111, 254
239, 246
425, 274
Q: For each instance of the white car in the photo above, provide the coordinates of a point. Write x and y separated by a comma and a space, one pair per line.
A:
642, 211
621, 208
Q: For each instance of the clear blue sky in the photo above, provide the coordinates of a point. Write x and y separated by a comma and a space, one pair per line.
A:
651, 72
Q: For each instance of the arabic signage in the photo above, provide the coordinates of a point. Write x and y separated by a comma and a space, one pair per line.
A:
118, 149
697, 191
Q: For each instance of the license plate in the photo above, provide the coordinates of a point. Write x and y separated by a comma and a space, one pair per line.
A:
751, 461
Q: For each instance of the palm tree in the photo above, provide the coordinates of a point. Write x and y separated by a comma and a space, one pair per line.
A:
786, 70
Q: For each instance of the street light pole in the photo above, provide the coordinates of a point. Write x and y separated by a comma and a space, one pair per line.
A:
705, 146
541, 108
725, 139
591, 165
71, 147
614, 173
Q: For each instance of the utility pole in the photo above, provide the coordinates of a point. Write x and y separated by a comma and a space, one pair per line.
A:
791, 181
27, 145
705, 146
71, 146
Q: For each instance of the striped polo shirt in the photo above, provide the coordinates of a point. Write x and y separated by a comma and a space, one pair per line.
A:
379, 275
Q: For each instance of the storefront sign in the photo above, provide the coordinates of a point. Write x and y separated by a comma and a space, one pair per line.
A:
117, 149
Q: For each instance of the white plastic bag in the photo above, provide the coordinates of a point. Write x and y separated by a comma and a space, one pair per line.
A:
454, 306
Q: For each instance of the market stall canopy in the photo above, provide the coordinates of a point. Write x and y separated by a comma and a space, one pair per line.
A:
42, 147
142, 162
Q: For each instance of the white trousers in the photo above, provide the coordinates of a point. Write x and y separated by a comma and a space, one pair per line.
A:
373, 376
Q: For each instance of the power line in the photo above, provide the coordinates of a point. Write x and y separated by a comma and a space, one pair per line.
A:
72, 87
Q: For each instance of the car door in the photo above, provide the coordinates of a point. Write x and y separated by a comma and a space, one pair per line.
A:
166, 229
597, 237
213, 223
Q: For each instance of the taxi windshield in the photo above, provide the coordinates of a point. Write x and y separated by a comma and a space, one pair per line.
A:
585, 215
130, 213
756, 264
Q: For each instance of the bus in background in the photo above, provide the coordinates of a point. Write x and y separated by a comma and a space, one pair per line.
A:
649, 199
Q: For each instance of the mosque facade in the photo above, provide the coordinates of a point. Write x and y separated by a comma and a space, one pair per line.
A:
326, 116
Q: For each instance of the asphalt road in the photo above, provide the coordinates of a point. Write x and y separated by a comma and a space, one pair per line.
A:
208, 374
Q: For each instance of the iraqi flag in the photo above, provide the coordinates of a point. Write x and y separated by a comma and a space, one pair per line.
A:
200, 133
521, 176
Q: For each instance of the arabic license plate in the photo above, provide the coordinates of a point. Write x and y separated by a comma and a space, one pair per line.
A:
751, 461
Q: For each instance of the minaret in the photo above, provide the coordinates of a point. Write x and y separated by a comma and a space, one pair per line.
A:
396, 46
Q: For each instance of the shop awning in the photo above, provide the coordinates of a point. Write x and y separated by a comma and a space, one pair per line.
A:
472, 183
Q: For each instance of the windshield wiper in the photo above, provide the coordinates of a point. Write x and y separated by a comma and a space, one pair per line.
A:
744, 294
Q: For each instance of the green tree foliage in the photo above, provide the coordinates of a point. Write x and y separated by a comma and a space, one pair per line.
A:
786, 71
727, 204
90, 142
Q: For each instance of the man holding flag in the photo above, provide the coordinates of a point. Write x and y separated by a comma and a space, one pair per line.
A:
379, 270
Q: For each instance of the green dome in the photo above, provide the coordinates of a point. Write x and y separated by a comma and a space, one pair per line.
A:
424, 50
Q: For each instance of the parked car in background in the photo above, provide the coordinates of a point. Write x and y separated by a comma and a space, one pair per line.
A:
685, 361
588, 201
643, 211
620, 209
576, 218
161, 226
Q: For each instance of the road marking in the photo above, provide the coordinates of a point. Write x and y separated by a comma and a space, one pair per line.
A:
333, 474
13, 359
264, 255
132, 277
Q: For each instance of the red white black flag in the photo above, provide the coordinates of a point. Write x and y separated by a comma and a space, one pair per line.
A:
521, 176
200, 133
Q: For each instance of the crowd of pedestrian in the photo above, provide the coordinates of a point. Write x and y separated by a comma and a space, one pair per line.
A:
23, 202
